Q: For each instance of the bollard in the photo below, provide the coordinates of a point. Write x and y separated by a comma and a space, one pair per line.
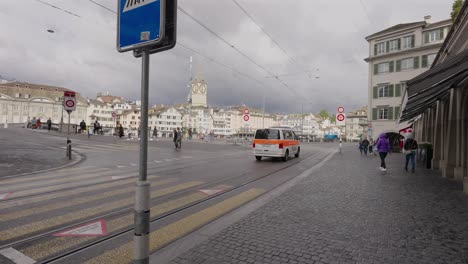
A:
69, 151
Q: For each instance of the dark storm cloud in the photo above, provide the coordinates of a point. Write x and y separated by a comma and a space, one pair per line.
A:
325, 38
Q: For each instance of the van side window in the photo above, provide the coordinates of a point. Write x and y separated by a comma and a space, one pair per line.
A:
295, 136
288, 135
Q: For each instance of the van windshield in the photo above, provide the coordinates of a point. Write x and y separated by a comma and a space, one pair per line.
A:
267, 134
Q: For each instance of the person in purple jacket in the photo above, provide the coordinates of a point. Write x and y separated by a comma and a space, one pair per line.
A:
383, 147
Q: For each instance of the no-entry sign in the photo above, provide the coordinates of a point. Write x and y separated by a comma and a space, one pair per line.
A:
246, 111
246, 118
340, 109
69, 101
340, 117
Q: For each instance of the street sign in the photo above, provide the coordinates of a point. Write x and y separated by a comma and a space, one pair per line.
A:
169, 39
369, 125
340, 109
246, 118
69, 101
340, 117
139, 23
246, 111
114, 114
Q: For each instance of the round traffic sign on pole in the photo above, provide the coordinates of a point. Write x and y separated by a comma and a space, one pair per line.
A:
340, 117
246, 111
340, 109
114, 114
246, 118
70, 103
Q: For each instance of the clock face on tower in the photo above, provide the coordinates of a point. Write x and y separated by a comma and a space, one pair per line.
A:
203, 89
195, 88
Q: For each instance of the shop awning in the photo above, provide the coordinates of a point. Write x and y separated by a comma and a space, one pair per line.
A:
427, 88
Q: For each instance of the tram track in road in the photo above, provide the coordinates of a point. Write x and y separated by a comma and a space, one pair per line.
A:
129, 209
151, 170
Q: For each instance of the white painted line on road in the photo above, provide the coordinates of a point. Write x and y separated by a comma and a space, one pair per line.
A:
157, 161
168, 159
4, 196
98, 228
133, 164
211, 192
16, 256
121, 177
121, 166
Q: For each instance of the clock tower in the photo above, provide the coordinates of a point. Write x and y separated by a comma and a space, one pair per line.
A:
199, 93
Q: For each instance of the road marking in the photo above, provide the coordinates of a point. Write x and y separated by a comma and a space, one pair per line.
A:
211, 192
66, 179
46, 175
121, 166
122, 177
169, 233
96, 228
16, 256
74, 202
34, 227
56, 245
54, 196
4, 196
157, 161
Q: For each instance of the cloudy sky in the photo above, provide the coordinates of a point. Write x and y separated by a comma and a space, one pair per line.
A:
309, 39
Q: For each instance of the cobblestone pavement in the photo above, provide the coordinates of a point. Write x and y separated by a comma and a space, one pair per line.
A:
350, 212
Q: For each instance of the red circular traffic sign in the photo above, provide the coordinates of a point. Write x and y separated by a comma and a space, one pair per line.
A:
246, 118
70, 103
246, 111
340, 117
340, 109
114, 114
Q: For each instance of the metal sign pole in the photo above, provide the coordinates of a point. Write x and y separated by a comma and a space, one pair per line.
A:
68, 137
142, 201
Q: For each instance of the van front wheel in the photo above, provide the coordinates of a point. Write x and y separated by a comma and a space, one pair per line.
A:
286, 156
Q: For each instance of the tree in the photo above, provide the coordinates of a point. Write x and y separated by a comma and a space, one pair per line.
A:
333, 118
324, 114
456, 7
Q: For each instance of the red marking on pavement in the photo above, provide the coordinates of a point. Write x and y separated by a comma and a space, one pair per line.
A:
211, 192
4, 196
97, 228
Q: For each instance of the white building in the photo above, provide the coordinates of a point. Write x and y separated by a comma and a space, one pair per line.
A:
396, 55
302, 124
165, 120
101, 112
22, 101
356, 125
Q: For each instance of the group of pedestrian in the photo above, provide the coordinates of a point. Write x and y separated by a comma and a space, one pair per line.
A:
383, 147
36, 123
178, 138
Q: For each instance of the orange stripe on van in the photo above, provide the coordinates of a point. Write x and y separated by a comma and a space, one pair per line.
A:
276, 142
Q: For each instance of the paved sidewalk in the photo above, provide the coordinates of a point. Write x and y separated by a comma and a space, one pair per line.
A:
350, 212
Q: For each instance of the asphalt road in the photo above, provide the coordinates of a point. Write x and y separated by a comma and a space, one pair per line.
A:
84, 213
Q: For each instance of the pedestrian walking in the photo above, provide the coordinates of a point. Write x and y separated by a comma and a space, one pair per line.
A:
409, 149
179, 137
121, 131
39, 123
155, 133
365, 146
96, 127
34, 123
190, 133
383, 147
82, 126
361, 146
371, 146
49, 124
175, 138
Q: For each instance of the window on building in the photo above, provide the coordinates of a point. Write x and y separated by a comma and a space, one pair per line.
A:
394, 45
383, 67
383, 114
407, 42
133, 117
384, 91
26, 96
431, 58
407, 64
434, 35
380, 48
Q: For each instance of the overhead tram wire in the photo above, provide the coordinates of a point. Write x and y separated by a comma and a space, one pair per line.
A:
59, 8
270, 37
226, 42
236, 49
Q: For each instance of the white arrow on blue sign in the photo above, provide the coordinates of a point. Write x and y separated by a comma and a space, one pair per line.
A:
140, 23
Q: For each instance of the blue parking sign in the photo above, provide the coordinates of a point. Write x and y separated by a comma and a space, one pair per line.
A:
140, 23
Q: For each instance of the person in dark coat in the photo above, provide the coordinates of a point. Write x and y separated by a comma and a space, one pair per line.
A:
121, 131
409, 148
383, 146
49, 124
176, 135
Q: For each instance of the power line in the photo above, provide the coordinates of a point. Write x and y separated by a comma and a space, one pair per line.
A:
365, 10
59, 8
269, 36
105, 7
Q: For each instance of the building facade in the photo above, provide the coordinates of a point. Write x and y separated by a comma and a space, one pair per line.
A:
356, 125
20, 102
165, 120
437, 105
396, 55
